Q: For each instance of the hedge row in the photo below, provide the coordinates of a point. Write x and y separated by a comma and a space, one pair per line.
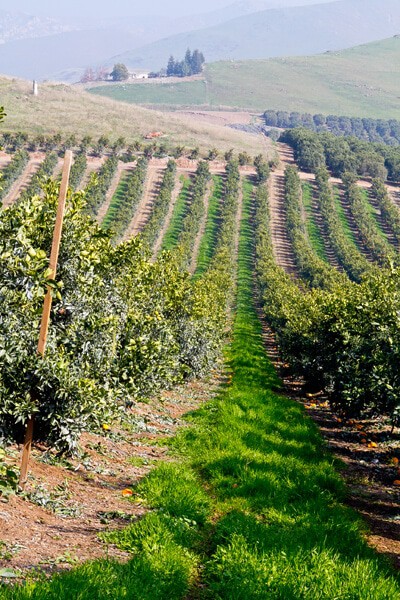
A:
381, 251
161, 205
345, 340
96, 190
389, 211
12, 171
352, 261
122, 208
311, 268
193, 217
78, 170
38, 180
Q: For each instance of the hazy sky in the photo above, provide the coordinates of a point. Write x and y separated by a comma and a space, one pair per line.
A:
86, 8
100, 8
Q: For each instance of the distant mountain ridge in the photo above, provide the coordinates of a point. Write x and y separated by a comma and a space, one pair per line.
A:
44, 48
18, 26
292, 31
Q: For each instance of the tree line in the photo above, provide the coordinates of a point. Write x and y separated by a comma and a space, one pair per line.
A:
192, 64
313, 150
369, 130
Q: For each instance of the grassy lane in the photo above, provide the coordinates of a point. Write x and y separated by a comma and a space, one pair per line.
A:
175, 227
313, 231
343, 219
252, 506
209, 239
373, 215
116, 201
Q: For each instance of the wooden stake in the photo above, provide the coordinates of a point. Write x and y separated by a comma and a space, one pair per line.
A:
44, 326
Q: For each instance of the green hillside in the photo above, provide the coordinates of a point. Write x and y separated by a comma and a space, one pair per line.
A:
362, 81
70, 109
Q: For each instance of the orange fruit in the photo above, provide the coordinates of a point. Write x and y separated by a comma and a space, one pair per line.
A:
126, 493
396, 482
372, 445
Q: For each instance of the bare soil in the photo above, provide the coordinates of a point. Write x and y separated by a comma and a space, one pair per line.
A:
94, 163
68, 502
163, 230
281, 244
35, 160
151, 189
219, 117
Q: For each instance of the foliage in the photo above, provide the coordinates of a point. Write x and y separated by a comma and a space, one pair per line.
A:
192, 64
314, 150
313, 269
121, 327
120, 72
96, 190
262, 168
38, 180
12, 171
8, 477
122, 208
376, 244
365, 129
344, 339
193, 216
78, 170
389, 211
347, 254
161, 204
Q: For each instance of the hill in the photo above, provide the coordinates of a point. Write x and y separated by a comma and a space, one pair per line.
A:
40, 57
277, 32
361, 81
71, 110
61, 49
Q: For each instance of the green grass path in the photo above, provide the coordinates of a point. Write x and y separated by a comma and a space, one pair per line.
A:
313, 230
116, 201
343, 219
251, 508
374, 216
175, 227
209, 240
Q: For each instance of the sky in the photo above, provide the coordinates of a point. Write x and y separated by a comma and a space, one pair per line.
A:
87, 8
105, 8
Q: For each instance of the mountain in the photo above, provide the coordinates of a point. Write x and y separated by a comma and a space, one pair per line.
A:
292, 31
46, 48
18, 26
38, 58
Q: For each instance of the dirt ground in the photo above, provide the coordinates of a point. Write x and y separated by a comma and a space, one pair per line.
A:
55, 523
216, 117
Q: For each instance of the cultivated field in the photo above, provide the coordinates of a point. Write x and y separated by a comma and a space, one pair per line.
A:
210, 316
